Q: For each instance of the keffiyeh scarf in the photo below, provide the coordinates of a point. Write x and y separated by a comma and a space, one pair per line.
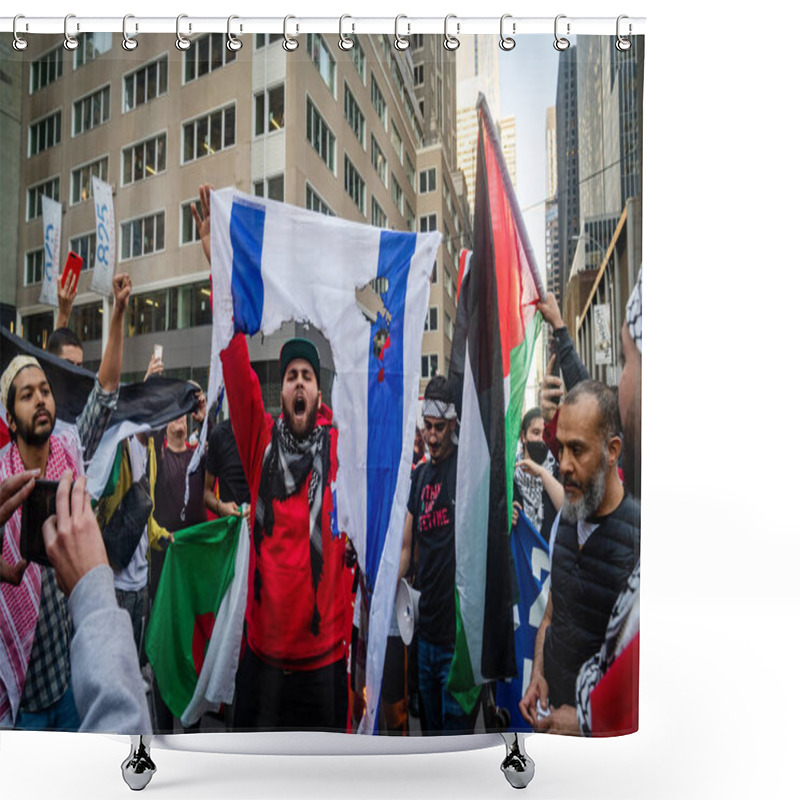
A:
532, 490
19, 605
286, 465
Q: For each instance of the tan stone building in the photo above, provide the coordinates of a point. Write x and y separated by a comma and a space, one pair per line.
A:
368, 135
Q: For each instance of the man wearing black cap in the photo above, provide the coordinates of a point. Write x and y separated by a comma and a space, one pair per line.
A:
293, 671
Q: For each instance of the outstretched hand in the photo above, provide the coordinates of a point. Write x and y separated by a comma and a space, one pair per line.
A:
66, 297
202, 218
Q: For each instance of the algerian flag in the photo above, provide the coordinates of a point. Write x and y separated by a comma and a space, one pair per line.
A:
496, 328
195, 631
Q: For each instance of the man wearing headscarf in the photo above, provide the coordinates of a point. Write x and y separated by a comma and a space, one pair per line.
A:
35, 688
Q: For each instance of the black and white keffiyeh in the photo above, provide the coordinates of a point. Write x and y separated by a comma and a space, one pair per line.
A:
633, 313
287, 462
531, 488
623, 625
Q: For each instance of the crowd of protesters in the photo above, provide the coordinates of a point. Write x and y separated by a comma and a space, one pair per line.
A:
72, 633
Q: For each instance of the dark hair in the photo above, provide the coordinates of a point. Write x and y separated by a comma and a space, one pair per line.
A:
60, 338
607, 402
439, 388
530, 415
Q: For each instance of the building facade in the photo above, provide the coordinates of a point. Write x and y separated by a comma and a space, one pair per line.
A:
337, 132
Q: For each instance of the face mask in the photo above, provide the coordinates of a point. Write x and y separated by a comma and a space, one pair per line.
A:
537, 451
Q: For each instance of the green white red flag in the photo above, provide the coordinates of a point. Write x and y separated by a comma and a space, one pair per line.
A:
194, 636
496, 329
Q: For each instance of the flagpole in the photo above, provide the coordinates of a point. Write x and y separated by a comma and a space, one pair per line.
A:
483, 107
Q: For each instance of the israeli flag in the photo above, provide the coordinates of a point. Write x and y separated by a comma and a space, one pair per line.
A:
366, 290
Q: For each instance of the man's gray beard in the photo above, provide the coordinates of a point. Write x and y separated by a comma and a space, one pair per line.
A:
586, 507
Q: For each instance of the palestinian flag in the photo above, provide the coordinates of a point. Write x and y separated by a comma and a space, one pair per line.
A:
496, 328
194, 635
140, 406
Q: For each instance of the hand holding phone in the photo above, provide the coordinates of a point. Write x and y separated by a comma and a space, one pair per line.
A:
36, 509
72, 269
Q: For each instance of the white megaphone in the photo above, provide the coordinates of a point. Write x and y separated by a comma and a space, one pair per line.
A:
406, 609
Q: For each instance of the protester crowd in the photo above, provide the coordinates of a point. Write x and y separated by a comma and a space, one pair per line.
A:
72, 634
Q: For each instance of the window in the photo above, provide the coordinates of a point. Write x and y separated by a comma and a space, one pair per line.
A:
87, 321
427, 180
320, 136
92, 46
206, 54
321, 56
37, 327
315, 203
269, 110
177, 308
435, 272
419, 75
397, 142
143, 236
189, 232
143, 160
34, 266
378, 160
353, 115
147, 83
410, 172
432, 319
274, 187
378, 103
397, 194
359, 60
416, 41
449, 285
411, 222
430, 364
44, 134
91, 111
207, 134
354, 185
379, 218
427, 223
449, 328
49, 189
261, 39
46, 69
84, 245
82, 179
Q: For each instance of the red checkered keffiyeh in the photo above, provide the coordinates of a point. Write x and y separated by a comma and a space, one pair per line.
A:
19, 605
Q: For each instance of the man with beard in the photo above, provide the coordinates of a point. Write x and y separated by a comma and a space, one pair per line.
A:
35, 690
293, 672
593, 551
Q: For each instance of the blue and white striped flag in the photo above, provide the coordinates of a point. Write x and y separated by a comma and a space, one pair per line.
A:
273, 262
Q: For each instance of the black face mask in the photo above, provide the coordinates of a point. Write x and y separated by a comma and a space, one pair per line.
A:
537, 451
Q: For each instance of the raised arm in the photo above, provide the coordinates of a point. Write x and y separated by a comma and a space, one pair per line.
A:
111, 365
66, 297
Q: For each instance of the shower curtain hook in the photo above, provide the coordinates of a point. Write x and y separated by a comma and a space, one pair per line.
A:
128, 42
451, 42
290, 43
401, 42
345, 42
70, 41
623, 42
561, 43
234, 43
19, 43
507, 42
182, 43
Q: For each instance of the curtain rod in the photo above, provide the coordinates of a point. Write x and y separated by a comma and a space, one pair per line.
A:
452, 25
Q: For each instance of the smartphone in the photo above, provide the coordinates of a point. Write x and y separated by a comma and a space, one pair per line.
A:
73, 266
38, 506
158, 352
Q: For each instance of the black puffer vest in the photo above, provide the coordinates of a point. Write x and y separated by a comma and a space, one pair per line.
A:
585, 583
